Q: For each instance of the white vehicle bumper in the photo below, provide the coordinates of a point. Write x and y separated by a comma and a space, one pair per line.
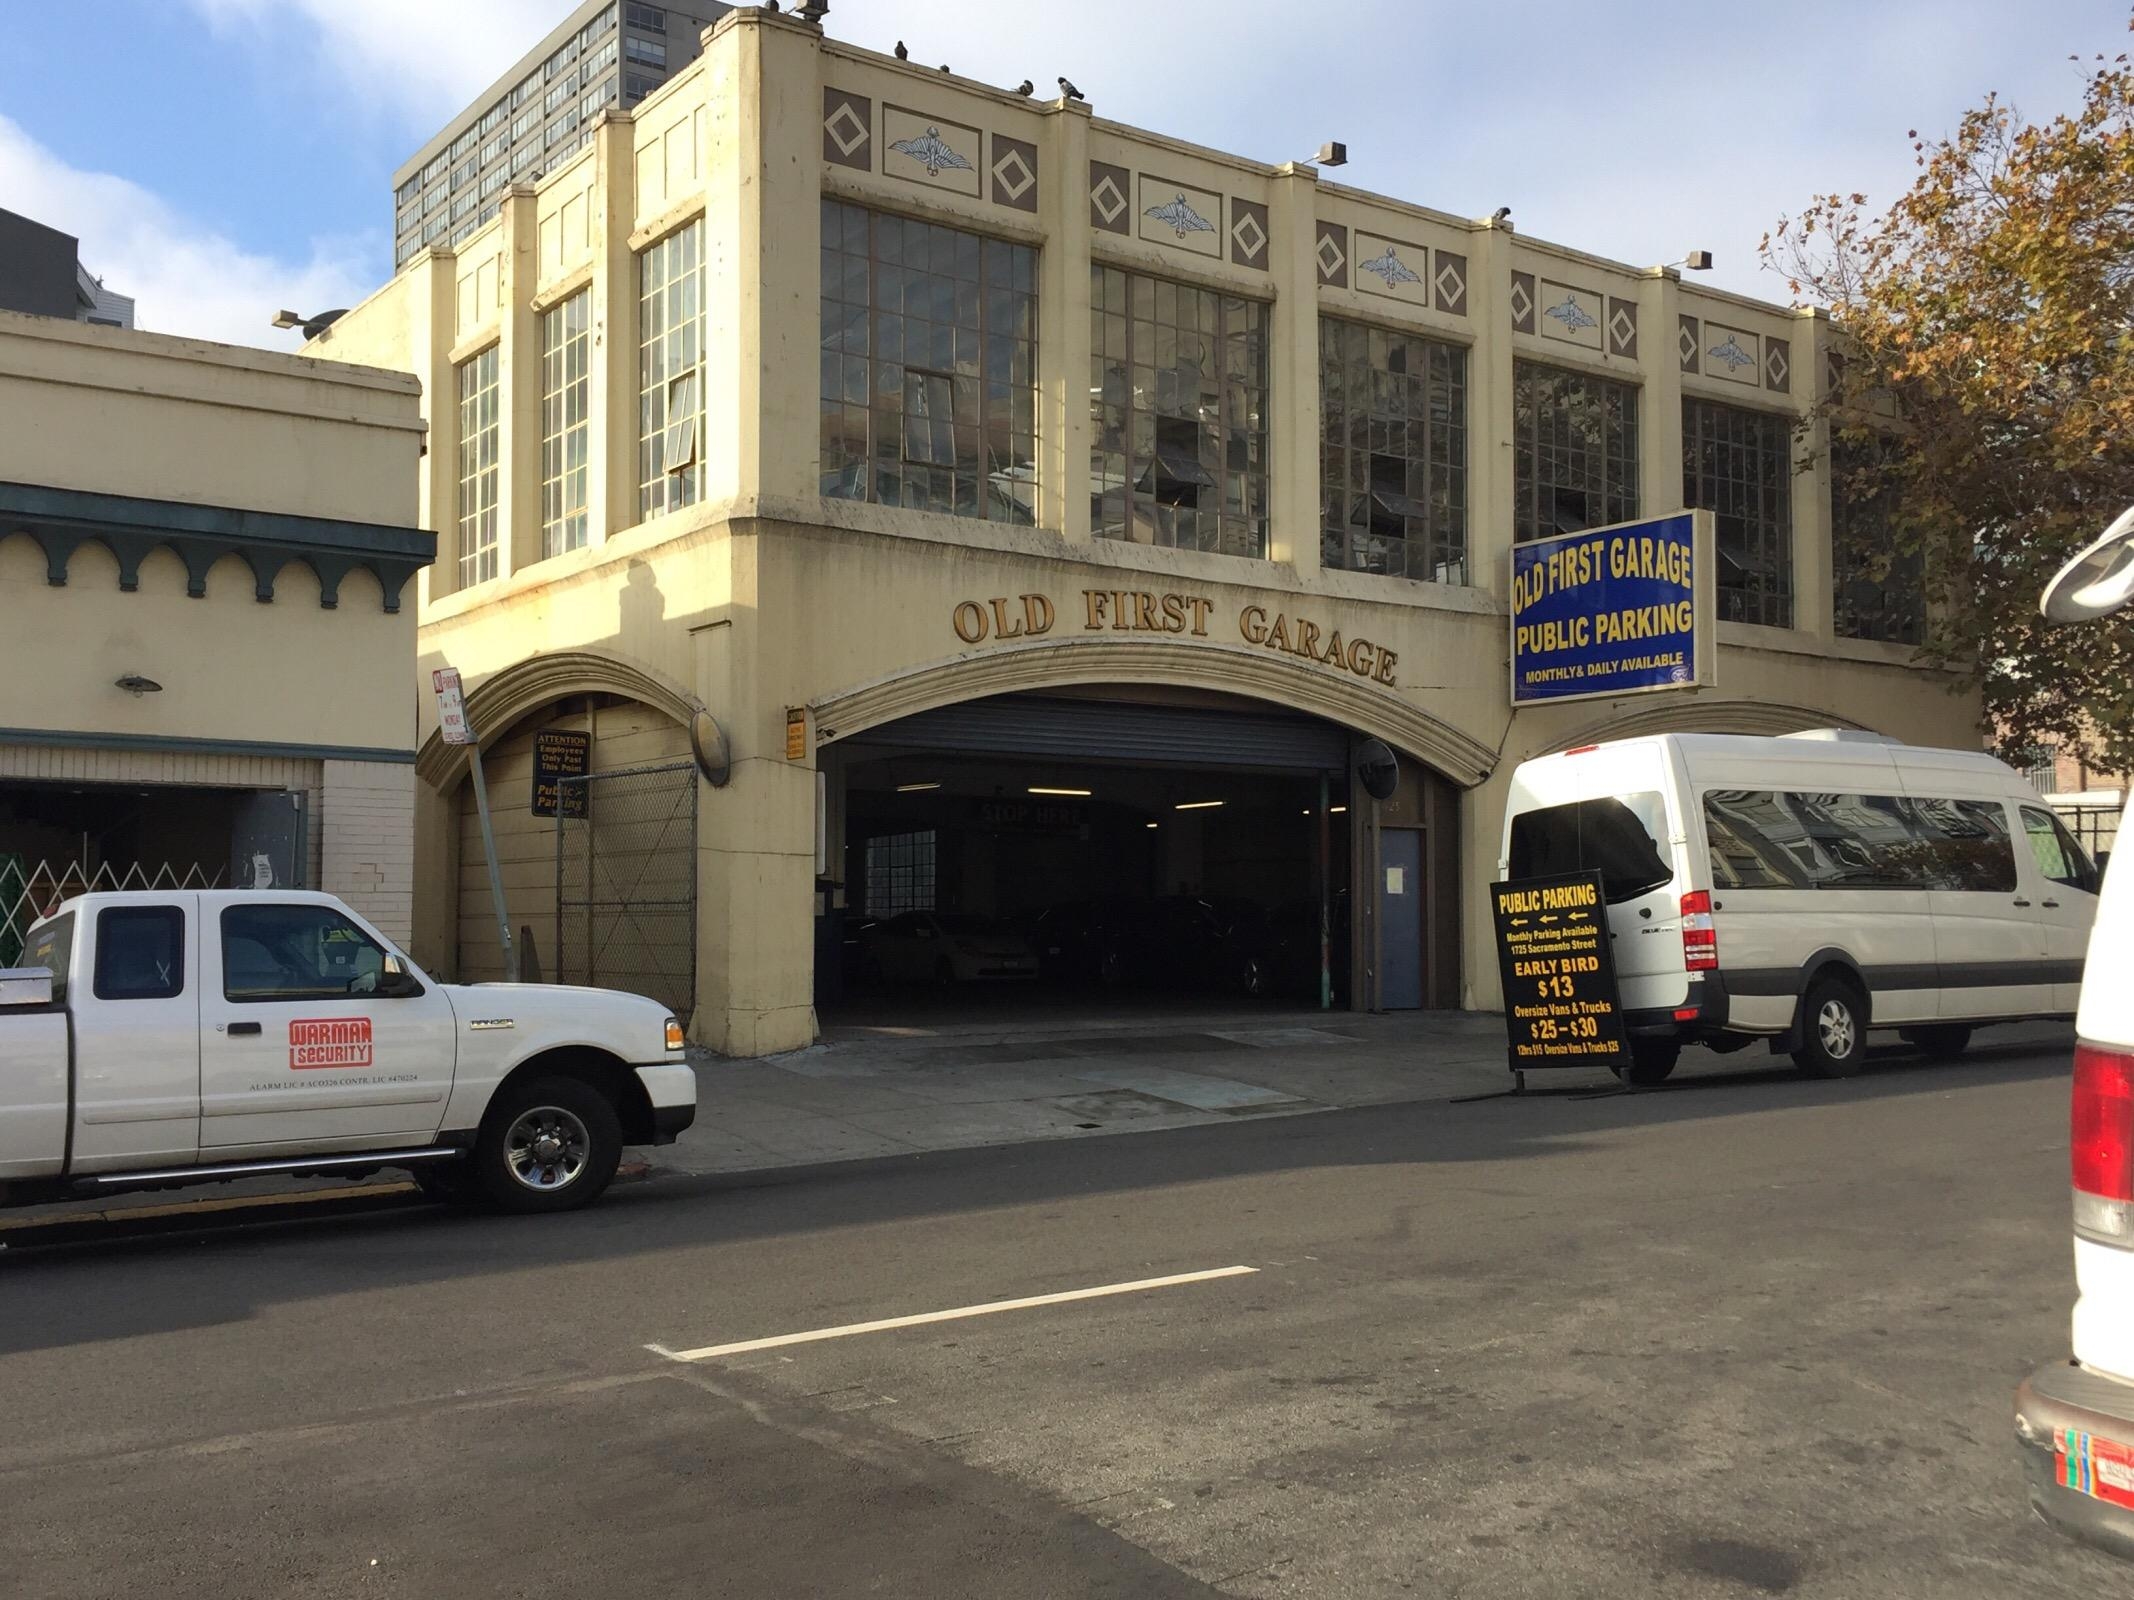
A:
672, 1089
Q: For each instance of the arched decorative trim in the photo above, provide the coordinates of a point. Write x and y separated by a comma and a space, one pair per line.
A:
497, 702
1667, 714
63, 520
1228, 669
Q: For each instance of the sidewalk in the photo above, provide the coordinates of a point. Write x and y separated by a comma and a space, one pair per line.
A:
893, 1090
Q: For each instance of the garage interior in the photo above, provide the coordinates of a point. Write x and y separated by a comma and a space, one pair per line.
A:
62, 839
1165, 850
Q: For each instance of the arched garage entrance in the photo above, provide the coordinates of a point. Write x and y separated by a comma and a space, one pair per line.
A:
599, 866
1143, 844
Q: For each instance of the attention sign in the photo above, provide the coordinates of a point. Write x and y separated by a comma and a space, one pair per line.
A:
1612, 611
560, 753
1561, 1008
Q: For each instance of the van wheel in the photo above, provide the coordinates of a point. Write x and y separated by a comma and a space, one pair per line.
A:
549, 1145
1939, 1041
1651, 1060
1833, 1030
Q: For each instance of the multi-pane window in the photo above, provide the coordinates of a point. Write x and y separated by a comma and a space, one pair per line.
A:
477, 468
1393, 453
566, 349
1178, 399
900, 873
929, 366
1738, 465
1574, 451
1877, 590
651, 18
670, 372
645, 52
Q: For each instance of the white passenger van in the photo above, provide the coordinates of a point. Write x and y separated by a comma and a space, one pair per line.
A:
1804, 889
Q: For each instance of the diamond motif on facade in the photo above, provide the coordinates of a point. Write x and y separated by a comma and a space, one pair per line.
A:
1107, 199
1250, 236
1330, 256
846, 129
1621, 329
1686, 344
1013, 174
1775, 365
1522, 302
1450, 286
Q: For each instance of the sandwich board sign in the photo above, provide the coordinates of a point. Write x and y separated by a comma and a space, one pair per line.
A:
1561, 1004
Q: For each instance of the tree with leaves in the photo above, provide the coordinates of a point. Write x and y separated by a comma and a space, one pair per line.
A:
1983, 409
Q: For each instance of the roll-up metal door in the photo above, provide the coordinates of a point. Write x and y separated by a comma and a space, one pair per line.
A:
1038, 725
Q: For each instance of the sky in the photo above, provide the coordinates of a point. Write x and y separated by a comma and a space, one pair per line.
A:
222, 159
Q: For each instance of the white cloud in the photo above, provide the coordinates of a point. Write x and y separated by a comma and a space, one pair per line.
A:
185, 277
424, 59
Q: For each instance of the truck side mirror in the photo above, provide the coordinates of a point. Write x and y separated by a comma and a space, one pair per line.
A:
395, 982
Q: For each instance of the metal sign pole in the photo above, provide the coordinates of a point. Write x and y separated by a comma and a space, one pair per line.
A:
496, 878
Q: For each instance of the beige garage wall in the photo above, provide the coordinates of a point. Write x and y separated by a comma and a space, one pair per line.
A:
624, 735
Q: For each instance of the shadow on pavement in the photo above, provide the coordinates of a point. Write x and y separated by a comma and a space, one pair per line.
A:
207, 1275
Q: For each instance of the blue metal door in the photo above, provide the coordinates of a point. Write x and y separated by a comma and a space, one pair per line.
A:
1400, 912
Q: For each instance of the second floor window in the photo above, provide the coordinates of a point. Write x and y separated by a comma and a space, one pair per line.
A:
929, 366
1178, 397
1393, 453
565, 390
1574, 451
1738, 465
670, 370
1877, 592
477, 468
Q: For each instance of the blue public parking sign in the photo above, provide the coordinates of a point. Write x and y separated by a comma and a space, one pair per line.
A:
1610, 611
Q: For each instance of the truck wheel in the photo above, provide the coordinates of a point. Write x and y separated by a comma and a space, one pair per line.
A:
1651, 1060
549, 1145
1938, 1041
1833, 1030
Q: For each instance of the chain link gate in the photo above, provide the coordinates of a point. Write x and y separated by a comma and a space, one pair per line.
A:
626, 882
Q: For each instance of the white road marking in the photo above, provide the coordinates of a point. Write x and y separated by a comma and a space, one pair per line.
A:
988, 1309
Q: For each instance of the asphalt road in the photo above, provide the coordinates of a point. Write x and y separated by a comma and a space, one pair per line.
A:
1746, 1335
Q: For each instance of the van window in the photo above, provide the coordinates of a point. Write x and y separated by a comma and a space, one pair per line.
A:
1765, 840
1967, 844
1620, 836
1768, 840
52, 947
2059, 858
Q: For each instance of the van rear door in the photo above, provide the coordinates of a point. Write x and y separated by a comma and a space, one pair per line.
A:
1611, 810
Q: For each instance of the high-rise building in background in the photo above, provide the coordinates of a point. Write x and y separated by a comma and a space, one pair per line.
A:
605, 53
41, 273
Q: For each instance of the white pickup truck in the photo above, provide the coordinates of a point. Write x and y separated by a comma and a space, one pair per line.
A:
153, 1040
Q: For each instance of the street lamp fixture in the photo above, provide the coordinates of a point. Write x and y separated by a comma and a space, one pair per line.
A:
314, 325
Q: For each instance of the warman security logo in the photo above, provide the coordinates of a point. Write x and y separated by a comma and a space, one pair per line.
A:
329, 1042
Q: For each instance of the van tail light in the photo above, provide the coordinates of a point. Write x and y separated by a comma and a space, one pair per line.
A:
1700, 942
2101, 1143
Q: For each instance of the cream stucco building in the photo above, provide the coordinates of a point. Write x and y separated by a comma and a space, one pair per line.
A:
207, 620
948, 447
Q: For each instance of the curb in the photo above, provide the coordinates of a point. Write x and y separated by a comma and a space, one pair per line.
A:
124, 1221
